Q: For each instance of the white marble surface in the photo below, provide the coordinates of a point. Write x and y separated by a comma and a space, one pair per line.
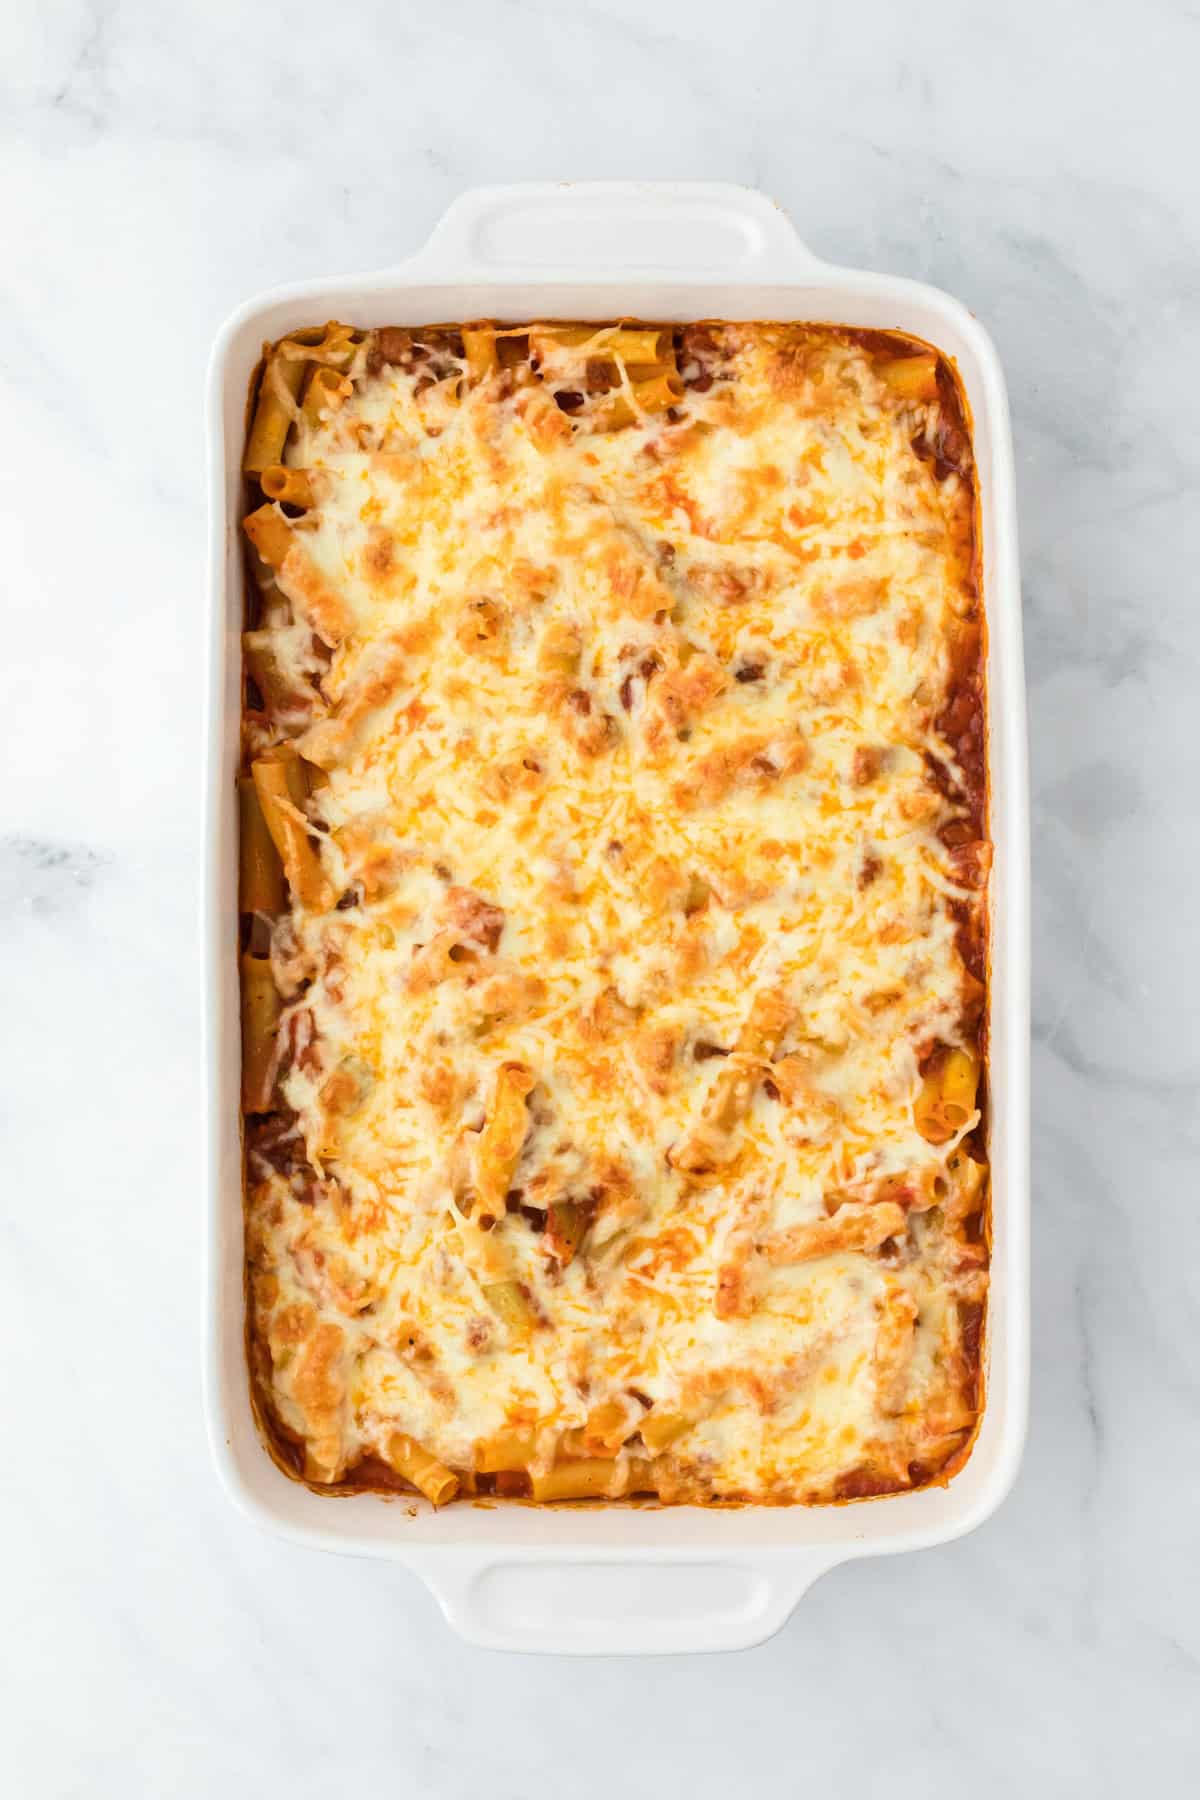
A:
157, 164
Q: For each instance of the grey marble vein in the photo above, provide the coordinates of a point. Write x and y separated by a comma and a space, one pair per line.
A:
45, 878
160, 163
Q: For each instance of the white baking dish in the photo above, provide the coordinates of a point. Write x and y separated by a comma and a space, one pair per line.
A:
623, 1578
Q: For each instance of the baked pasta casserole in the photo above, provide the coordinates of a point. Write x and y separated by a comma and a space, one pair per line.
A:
613, 918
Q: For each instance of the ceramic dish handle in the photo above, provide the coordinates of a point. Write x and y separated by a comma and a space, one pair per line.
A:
612, 1606
688, 230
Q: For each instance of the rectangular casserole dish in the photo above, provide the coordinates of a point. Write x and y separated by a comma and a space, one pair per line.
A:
625, 1578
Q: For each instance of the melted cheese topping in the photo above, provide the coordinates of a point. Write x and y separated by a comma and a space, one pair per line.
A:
627, 736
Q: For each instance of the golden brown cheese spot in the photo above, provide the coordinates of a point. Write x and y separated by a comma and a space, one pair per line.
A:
442, 1087
548, 428
656, 1048
483, 624
374, 684
679, 694
479, 920
868, 762
634, 588
315, 597
291, 1326
535, 582
379, 556
374, 863
850, 600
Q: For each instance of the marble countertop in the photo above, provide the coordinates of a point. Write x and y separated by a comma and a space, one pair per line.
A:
158, 164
